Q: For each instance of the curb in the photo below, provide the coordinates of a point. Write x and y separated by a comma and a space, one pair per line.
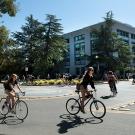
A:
42, 97
122, 107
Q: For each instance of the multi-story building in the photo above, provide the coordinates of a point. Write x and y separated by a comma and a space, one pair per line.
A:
79, 44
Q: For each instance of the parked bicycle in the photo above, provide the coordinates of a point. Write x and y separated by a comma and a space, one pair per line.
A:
20, 108
96, 108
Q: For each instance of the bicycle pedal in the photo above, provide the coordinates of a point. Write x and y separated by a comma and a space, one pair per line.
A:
13, 112
82, 111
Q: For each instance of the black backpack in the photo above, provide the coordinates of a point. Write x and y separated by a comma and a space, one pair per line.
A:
7, 86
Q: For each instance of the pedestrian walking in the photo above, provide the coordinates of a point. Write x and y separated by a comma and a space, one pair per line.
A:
112, 82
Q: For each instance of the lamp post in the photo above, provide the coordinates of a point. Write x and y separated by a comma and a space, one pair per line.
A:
98, 68
26, 67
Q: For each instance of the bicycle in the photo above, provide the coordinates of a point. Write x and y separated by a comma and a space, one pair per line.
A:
97, 108
20, 108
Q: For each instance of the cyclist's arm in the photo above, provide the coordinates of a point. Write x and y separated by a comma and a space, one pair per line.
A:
92, 84
18, 87
115, 79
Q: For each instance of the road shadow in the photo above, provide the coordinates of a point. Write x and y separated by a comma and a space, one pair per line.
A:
107, 97
10, 120
72, 121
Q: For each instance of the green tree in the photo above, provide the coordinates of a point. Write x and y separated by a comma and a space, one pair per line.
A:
53, 45
29, 41
41, 43
8, 7
107, 44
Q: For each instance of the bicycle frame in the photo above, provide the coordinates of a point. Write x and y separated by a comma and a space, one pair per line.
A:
17, 98
88, 99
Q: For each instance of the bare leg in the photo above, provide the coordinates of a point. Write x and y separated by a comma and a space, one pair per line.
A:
83, 91
12, 97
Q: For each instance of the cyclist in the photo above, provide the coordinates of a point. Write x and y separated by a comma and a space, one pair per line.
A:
87, 79
112, 82
10, 91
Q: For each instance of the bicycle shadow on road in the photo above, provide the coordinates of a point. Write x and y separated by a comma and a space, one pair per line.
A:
10, 120
72, 121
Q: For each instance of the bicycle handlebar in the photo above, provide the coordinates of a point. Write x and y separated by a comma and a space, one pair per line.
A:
17, 94
95, 90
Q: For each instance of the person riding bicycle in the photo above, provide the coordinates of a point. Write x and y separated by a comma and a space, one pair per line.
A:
87, 79
10, 91
112, 82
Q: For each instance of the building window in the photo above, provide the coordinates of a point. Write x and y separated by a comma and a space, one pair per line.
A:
133, 60
67, 61
133, 49
122, 33
79, 53
66, 70
79, 60
79, 37
67, 40
132, 36
126, 41
68, 51
93, 35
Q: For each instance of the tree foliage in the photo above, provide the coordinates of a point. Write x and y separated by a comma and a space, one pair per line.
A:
41, 43
111, 50
8, 7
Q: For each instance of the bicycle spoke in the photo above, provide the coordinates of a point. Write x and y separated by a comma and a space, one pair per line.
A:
72, 106
21, 110
97, 109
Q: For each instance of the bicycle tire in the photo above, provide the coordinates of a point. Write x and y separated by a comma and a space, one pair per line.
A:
4, 109
97, 109
72, 106
21, 110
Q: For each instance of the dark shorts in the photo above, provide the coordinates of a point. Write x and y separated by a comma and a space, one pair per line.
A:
84, 86
7, 91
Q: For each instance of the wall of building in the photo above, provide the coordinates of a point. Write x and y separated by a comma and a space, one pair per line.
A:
73, 38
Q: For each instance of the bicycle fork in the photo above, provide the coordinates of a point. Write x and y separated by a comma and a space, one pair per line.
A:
96, 105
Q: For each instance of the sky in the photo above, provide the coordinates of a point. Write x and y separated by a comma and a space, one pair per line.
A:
74, 14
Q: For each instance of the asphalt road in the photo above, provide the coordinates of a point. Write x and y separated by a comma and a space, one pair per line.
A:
48, 116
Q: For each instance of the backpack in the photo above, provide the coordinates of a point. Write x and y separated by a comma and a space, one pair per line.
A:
7, 86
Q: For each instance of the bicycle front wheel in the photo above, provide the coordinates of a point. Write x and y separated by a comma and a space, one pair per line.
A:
4, 109
72, 106
97, 109
21, 110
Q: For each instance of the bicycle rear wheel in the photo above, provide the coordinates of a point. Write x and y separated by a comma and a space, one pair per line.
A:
3, 107
72, 106
97, 109
21, 110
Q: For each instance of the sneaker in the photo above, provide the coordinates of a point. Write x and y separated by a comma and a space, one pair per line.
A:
82, 110
13, 111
